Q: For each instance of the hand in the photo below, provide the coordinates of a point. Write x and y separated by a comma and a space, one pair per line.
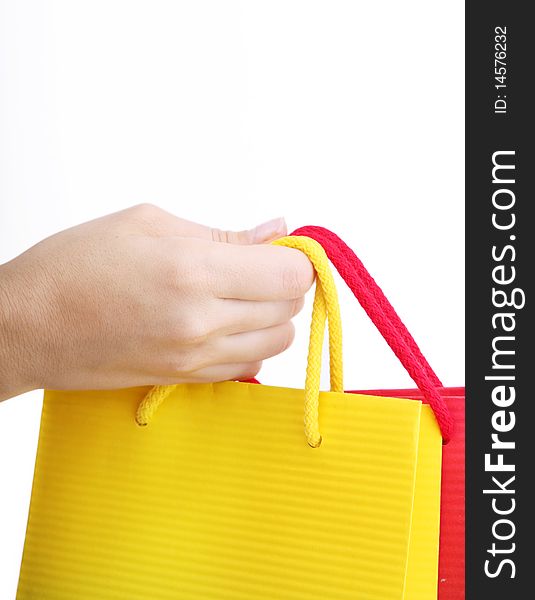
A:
141, 297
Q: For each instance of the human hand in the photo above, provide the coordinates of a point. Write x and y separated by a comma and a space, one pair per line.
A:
141, 297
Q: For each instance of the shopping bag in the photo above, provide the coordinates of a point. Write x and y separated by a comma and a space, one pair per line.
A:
451, 579
214, 491
451, 569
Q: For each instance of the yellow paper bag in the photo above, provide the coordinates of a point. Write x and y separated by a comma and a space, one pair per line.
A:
220, 497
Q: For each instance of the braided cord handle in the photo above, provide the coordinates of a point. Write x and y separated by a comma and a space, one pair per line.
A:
325, 309
385, 318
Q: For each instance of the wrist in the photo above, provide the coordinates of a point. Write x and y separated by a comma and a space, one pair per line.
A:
15, 339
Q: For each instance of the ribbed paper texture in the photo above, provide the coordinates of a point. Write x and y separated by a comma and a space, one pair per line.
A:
423, 550
451, 572
221, 498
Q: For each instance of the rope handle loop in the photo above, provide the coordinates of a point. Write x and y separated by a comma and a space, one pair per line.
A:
385, 318
326, 309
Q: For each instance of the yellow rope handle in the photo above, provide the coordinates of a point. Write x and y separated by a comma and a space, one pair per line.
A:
151, 402
326, 308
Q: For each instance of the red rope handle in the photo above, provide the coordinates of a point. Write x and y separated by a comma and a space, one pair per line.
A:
363, 286
385, 318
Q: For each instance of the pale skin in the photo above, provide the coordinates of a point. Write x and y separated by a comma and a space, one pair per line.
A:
141, 297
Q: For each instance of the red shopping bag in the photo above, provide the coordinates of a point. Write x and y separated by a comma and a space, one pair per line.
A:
447, 404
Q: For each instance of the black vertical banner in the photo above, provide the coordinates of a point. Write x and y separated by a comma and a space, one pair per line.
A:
500, 166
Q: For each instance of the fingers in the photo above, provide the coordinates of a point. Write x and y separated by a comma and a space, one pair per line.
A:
259, 272
239, 316
226, 372
158, 222
226, 357
250, 346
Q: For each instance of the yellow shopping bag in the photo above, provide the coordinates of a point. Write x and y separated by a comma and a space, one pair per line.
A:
212, 492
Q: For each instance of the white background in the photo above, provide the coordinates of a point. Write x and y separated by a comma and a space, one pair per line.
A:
343, 114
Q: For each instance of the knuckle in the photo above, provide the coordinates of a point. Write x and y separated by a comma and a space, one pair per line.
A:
141, 216
181, 364
182, 271
193, 264
193, 330
144, 210
175, 272
184, 326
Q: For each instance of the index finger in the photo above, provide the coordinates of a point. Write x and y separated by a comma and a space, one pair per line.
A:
259, 272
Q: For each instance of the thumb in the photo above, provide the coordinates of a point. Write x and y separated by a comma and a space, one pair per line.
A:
158, 222
266, 232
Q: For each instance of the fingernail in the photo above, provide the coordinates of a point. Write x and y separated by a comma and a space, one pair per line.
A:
269, 230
